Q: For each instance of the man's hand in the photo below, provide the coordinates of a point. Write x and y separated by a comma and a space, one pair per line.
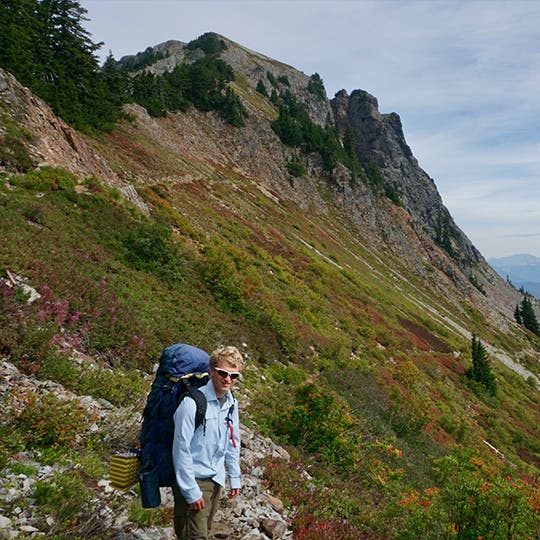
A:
197, 505
234, 493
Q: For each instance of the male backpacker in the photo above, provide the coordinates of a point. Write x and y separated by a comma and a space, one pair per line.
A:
182, 370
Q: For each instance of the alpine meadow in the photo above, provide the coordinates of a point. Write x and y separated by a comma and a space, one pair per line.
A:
206, 194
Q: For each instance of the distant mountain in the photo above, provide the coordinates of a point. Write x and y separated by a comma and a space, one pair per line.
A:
522, 270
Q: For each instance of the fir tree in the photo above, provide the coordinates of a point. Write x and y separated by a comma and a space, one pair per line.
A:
46, 47
20, 39
481, 369
528, 317
517, 315
316, 87
442, 234
261, 88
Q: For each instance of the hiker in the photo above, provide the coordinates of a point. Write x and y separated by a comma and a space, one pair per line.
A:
200, 455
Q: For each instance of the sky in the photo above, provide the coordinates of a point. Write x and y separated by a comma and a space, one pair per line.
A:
464, 76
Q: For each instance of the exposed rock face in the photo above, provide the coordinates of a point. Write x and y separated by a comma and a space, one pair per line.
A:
199, 146
51, 141
379, 142
252, 67
408, 228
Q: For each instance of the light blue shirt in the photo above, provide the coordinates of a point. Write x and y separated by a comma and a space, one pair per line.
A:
204, 452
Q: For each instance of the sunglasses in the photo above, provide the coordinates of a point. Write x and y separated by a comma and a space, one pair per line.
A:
224, 373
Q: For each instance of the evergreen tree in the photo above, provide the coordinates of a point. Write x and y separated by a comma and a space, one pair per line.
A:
528, 316
283, 79
148, 91
442, 234
261, 88
20, 38
271, 79
517, 315
142, 59
316, 87
481, 369
348, 145
232, 110
116, 80
210, 43
44, 44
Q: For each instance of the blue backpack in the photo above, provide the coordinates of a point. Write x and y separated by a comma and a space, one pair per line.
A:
182, 370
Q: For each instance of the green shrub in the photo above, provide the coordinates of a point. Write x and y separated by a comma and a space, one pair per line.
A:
296, 167
47, 421
14, 155
65, 497
473, 501
321, 423
148, 517
23, 468
220, 275
148, 243
47, 179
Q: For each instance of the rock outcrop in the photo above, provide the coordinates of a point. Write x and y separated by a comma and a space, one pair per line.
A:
49, 141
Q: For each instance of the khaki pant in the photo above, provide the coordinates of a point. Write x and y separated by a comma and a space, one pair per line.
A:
196, 524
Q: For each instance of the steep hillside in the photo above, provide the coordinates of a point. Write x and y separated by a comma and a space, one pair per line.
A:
346, 283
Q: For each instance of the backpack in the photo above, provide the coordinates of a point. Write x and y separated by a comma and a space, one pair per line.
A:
182, 370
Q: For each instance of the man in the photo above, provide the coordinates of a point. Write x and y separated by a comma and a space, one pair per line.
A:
201, 455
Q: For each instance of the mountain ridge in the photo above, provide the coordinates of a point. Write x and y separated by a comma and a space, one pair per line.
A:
346, 284
391, 161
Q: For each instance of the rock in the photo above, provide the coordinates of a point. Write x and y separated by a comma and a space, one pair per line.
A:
29, 529
274, 528
276, 503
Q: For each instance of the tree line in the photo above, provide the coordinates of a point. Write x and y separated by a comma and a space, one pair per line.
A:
45, 45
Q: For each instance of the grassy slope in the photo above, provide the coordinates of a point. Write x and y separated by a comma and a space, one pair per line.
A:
305, 297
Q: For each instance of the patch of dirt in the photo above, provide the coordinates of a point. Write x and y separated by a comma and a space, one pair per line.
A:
426, 338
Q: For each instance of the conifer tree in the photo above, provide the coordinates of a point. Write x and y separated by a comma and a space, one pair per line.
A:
442, 234
20, 38
44, 44
528, 317
517, 315
481, 369
261, 88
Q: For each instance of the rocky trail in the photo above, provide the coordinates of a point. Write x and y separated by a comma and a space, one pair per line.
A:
256, 514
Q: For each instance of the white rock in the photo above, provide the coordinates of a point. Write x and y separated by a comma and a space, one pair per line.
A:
29, 529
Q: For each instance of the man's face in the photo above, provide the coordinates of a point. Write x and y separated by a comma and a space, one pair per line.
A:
223, 377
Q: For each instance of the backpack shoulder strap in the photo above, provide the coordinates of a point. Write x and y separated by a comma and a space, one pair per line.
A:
200, 402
